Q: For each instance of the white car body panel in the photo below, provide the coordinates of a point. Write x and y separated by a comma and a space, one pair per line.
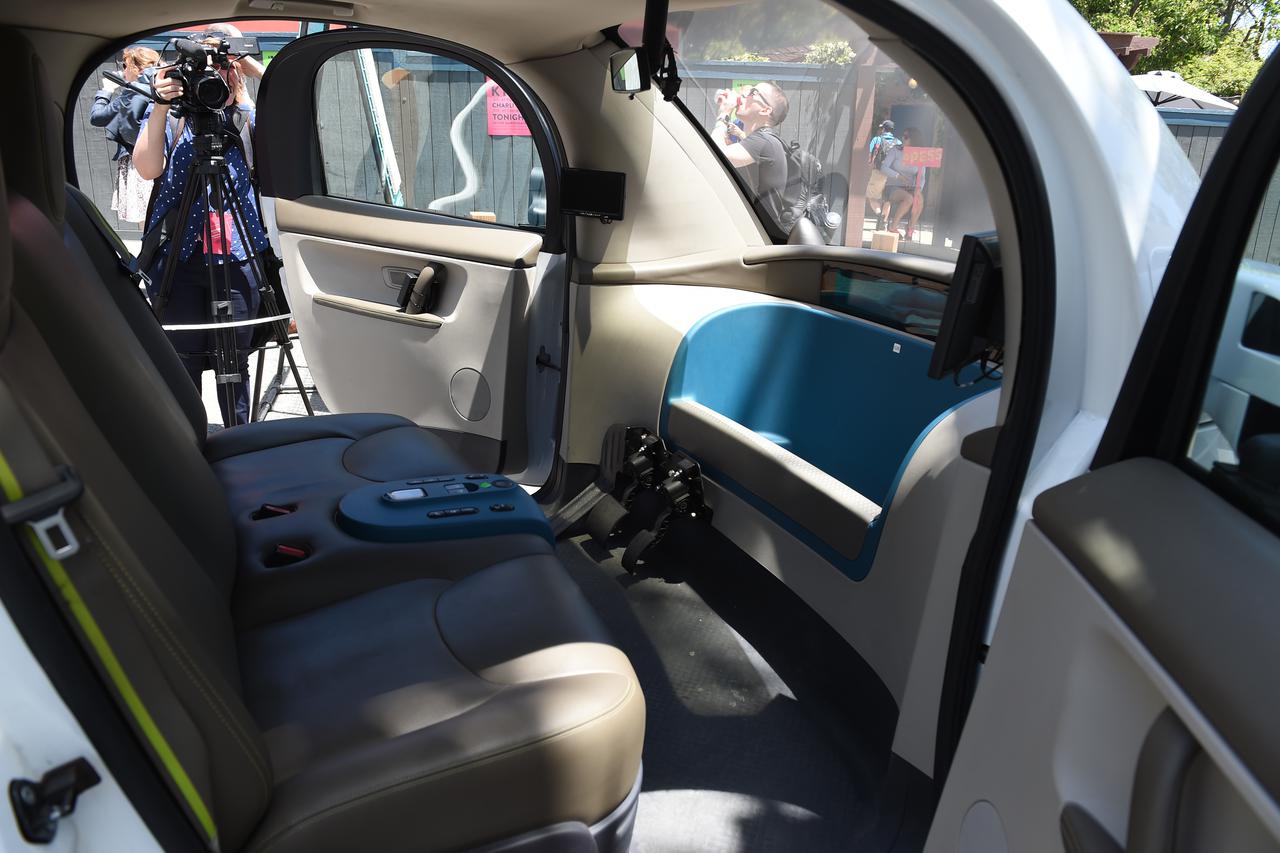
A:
39, 733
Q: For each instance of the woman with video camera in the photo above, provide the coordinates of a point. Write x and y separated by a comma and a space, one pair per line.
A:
165, 152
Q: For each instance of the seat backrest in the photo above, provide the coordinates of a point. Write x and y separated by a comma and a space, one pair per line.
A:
98, 351
154, 593
82, 233
166, 620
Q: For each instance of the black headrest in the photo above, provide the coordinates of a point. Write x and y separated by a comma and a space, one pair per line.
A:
31, 144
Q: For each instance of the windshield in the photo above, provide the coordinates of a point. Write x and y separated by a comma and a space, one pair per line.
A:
818, 124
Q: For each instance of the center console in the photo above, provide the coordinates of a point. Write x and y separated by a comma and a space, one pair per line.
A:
315, 543
428, 509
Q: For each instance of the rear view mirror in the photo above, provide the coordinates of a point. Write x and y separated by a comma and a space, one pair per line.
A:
629, 71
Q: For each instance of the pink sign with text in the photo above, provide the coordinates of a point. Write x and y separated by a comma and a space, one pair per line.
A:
504, 116
930, 158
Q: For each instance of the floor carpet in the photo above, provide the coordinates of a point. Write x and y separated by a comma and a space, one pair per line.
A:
744, 749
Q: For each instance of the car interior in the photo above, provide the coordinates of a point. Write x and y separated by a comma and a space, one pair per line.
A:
645, 533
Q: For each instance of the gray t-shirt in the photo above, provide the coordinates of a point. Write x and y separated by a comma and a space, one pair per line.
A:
767, 176
901, 175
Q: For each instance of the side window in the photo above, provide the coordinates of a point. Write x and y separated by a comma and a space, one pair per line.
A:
908, 303
820, 124
1238, 438
415, 130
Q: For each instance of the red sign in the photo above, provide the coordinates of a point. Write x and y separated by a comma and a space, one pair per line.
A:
504, 116
929, 158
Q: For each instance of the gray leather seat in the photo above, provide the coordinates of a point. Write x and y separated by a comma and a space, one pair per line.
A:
431, 705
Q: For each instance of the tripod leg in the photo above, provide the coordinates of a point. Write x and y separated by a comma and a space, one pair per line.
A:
297, 378
225, 350
265, 287
269, 301
257, 385
161, 299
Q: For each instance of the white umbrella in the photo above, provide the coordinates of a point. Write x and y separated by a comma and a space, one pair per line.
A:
1168, 89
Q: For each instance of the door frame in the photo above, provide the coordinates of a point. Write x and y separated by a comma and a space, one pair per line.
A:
1161, 396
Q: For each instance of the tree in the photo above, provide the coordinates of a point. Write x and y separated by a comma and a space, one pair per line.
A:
1228, 71
1214, 44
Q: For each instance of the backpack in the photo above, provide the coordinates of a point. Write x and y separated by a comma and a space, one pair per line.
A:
882, 150
803, 196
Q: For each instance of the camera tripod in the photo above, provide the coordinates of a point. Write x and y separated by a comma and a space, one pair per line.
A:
211, 178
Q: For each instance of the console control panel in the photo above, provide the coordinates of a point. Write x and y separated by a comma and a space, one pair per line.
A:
458, 506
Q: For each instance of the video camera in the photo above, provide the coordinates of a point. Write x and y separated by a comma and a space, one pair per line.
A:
196, 62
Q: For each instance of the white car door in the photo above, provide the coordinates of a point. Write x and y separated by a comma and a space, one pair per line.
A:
393, 161
1129, 697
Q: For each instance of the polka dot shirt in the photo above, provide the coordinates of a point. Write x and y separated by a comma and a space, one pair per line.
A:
174, 180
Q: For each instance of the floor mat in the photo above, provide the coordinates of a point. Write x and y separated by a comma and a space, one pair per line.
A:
733, 761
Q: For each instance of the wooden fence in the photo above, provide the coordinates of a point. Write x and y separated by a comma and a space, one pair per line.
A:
1199, 135
420, 109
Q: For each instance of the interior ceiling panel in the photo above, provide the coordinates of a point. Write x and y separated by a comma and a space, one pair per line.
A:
511, 30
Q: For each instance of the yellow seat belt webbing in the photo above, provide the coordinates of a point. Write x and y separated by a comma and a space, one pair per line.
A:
15, 427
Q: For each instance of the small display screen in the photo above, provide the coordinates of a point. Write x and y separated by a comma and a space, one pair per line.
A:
588, 192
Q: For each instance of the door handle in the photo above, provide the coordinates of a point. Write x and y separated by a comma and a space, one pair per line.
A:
1081, 832
419, 291
1163, 763
394, 277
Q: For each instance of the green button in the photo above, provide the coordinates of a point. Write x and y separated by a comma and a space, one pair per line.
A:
486, 485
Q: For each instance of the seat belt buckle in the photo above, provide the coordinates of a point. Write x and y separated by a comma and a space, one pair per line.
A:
55, 534
44, 512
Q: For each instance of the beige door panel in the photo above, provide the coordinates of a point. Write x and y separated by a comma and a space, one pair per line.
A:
622, 341
1135, 590
459, 369
414, 230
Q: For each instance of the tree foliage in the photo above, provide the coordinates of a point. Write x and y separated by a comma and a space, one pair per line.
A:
1227, 71
760, 28
1213, 44
831, 52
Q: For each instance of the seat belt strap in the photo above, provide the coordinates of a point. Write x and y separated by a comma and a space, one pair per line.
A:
128, 264
42, 497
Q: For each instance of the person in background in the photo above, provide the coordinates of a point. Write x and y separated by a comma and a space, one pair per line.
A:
905, 185
120, 110
165, 152
755, 148
877, 148
248, 66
